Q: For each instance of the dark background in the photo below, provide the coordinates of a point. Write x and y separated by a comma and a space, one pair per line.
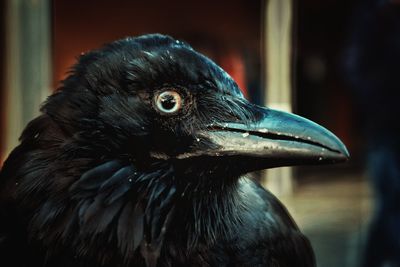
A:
331, 203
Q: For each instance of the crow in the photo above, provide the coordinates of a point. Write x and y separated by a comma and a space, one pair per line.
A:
139, 159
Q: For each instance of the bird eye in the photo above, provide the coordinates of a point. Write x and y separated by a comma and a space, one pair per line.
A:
168, 102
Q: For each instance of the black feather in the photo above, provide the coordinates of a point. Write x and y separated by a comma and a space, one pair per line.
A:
93, 178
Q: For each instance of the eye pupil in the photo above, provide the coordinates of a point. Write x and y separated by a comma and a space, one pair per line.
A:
168, 102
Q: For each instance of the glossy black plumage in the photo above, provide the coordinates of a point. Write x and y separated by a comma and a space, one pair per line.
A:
102, 178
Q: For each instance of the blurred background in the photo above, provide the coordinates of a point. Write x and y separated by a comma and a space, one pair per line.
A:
320, 59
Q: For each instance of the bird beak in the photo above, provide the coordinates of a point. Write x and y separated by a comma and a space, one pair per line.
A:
277, 138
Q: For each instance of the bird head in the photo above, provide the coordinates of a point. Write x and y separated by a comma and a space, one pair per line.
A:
137, 128
155, 99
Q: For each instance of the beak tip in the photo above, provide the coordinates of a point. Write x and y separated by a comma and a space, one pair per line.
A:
343, 153
346, 155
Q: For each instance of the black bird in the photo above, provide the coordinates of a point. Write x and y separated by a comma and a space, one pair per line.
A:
138, 160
